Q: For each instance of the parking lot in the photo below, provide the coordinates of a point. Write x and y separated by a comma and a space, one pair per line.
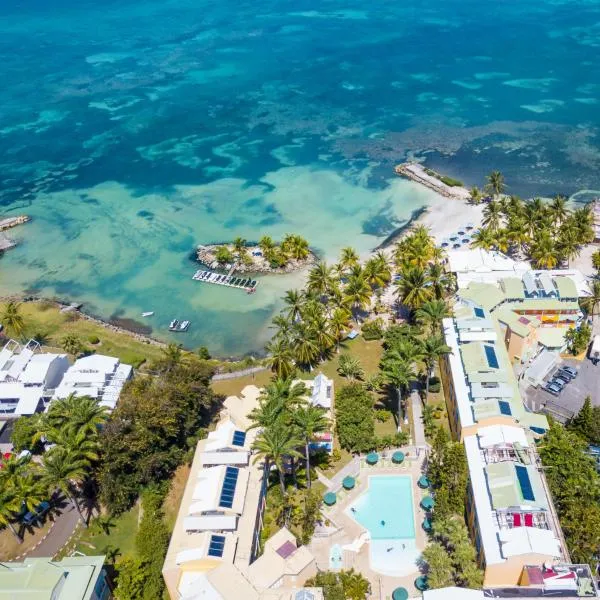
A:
570, 400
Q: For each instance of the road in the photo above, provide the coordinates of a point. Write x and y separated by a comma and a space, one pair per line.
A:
64, 526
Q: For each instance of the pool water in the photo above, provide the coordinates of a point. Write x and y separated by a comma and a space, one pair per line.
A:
335, 557
386, 508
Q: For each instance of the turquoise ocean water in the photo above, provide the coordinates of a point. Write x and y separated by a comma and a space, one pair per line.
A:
133, 130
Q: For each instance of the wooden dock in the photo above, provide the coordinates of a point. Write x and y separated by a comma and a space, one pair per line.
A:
242, 283
10, 222
418, 173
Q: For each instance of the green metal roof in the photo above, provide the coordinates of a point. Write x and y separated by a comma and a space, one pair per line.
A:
566, 287
513, 288
485, 295
515, 322
37, 578
552, 337
505, 487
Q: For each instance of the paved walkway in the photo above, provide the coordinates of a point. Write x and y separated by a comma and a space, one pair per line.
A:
417, 413
58, 536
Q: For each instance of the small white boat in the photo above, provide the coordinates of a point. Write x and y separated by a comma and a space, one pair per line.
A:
184, 326
147, 314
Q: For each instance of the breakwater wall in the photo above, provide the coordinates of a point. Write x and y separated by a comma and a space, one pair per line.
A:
418, 173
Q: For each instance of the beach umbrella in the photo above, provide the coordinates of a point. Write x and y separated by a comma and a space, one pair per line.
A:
445, 242
426, 524
427, 503
372, 458
400, 593
329, 498
421, 583
398, 457
454, 236
470, 226
461, 230
423, 482
348, 482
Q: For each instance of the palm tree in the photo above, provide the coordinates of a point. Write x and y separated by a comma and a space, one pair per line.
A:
29, 490
400, 374
320, 279
492, 215
348, 258
432, 314
338, 323
475, 195
12, 318
358, 294
298, 247
377, 271
304, 345
568, 244
558, 209
310, 420
321, 333
495, 183
63, 470
77, 414
413, 288
596, 261
280, 357
483, 238
433, 349
591, 304
239, 245
70, 343
349, 367
9, 507
273, 445
543, 251
294, 300
267, 245
439, 280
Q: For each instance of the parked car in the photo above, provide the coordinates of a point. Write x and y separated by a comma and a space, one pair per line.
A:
40, 510
562, 377
572, 371
552, 388
558, 383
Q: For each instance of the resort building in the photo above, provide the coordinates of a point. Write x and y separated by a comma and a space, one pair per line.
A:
98, 376
73, 578
496, 326
321, 393
28, 378
215, 545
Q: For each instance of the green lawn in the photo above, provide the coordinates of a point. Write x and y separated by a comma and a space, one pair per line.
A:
45, 319
120, 541
368, 353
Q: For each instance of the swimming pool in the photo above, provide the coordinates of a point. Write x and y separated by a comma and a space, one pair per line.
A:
386, 510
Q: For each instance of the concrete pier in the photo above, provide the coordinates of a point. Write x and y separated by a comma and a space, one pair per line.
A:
9, 222
418, 173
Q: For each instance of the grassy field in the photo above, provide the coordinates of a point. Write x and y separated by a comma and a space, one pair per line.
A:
45, 321
368, 353
117, 540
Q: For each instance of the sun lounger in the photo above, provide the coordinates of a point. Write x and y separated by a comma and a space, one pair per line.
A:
516, 520
528, 520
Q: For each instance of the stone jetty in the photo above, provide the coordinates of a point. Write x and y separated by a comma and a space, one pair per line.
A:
10, 222
432, 180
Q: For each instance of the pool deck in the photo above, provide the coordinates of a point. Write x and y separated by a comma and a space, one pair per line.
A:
344, 530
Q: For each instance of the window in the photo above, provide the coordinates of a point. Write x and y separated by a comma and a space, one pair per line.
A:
479, 313
504, 408
492, 359
216, 545
228, 489
524, 482
239, 438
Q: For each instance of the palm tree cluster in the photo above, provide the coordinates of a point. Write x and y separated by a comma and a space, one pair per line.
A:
548, 233
412, 352
315, 320
292, 247
70, 432
287, 424
422, 276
